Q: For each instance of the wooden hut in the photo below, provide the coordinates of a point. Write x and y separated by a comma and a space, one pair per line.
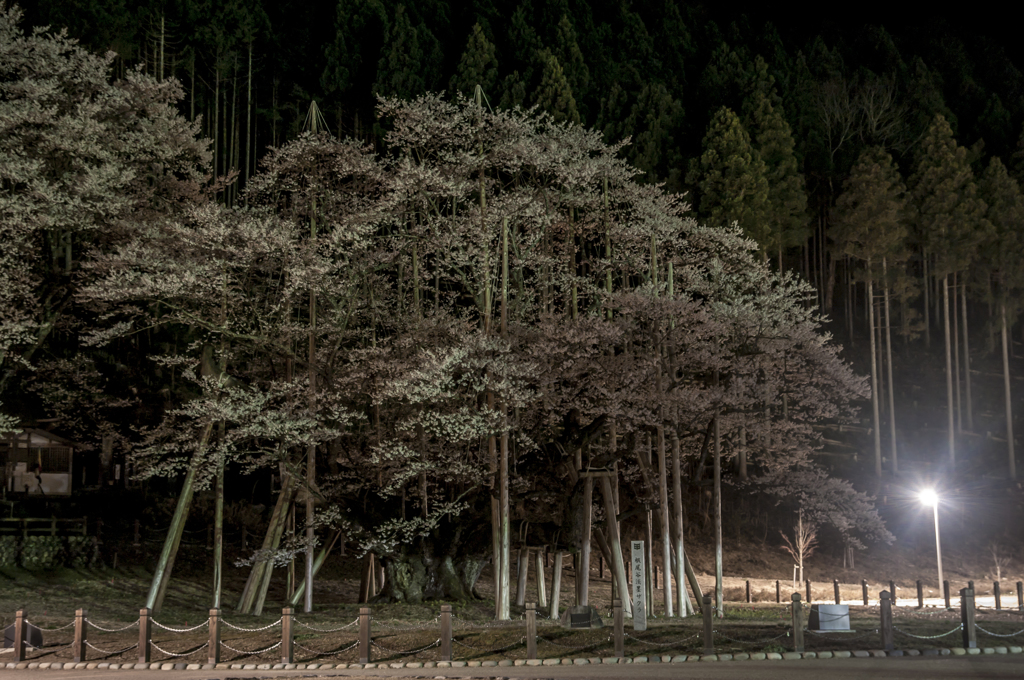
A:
36, 463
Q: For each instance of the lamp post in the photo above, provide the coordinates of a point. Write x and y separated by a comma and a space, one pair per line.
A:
929, 497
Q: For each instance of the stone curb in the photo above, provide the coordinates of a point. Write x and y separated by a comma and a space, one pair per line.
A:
678, 658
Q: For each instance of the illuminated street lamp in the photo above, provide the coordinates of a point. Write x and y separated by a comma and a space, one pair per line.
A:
929, 497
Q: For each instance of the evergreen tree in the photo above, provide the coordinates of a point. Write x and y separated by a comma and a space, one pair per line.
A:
787, 201
1003, 254
948, 214
410, 59
478, 66
554, 94
730, 179
567, 50
351, 56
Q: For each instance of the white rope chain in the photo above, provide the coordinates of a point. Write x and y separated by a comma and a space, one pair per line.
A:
179, 630
111, 630
330, 653
408, 652
161, 649
928, 637
108, 653
48, 629
661, 644
988, 632
518, 642
324, 630
251, 630
252, 653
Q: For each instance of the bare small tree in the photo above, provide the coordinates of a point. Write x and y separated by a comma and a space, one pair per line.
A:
1001, 561
805, 540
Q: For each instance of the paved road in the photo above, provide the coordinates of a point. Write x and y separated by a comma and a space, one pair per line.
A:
989, 666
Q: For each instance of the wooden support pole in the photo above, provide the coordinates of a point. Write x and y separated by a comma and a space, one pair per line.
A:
885, 628
524, 566
619, 620
920, 594
531, 630
709, 632
835, 587
78, 648
19, 636
798, 623
145, 633
556, 583
807, 583
864, 590
287, 636
970, 634
213, 650
892, 591
542, 595
997, 594
748, 591
446, 632
945, 594
584, 573
364, 635
778, 592
1020, 596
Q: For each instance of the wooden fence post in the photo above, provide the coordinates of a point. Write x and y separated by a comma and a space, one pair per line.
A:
364, 635
920, 594
798, 624
19, 636
287, 635
970, 585
446, 632
864, 590
709, 632
778, 592
145, 633
748, 591
885, 629
620, 648
809, 598
531, 630
970, 635
78, 648
945, 594
835, 587
998, 595
1020, 595
213, 651
892, 591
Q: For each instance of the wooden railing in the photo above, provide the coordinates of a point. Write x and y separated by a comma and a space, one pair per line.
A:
33, 526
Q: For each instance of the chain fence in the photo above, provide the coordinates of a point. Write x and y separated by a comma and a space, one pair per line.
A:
252, 630
110, 653
256, 652
760, 641
64, 627
133, 624
333, 652
300, 624
672, 643
180, 630
491, 650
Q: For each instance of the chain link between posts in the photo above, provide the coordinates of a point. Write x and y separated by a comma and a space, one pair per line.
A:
424, 626
840, 636
574, 648
109, 653
112, 630
759, 641
652, 643
254, 652
27, 622
175, 654
406, 652
520, 641
928, 637
998, 635
252, 630
180, 630
324, 630
333, 652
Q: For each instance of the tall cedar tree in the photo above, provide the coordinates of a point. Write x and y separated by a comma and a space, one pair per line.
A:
731, 181
787, 200
554, 94
478, 66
